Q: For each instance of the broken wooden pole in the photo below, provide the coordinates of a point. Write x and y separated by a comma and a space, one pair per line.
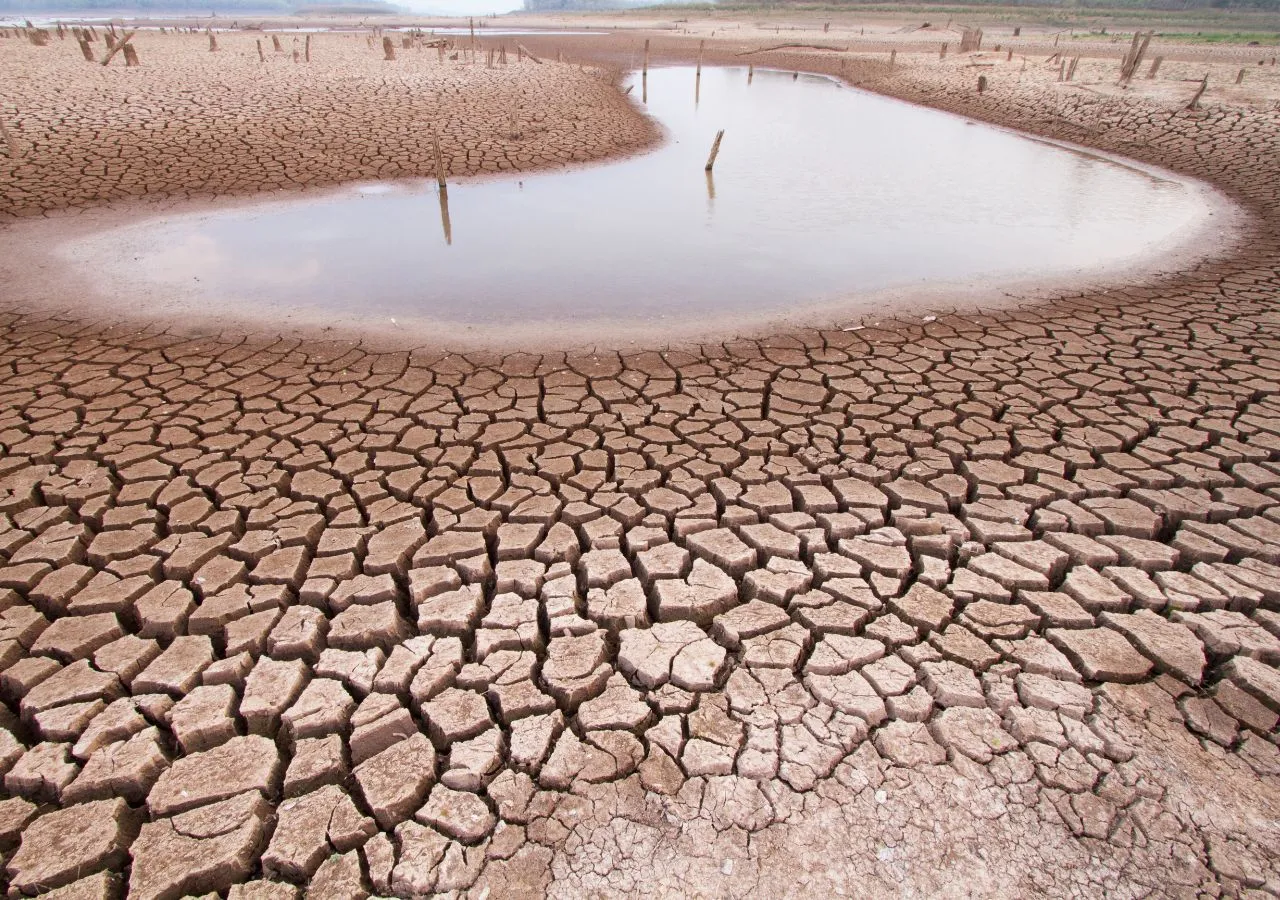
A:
1204, 86
529, 54
213, 43
1155, 67
117, 48
130, 56
86, 50
435, 145
715, 150
388, 49
1240, 76
275, 44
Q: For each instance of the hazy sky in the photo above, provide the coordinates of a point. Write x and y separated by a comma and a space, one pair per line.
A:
459, 7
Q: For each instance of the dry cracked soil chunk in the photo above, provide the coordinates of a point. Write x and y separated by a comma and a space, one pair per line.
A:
242, 764
64, 845
200, 851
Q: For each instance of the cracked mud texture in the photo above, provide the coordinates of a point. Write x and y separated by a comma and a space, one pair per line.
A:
188, 122
987, 605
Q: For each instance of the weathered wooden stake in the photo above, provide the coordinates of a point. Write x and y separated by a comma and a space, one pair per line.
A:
213, 43
262, 57
9, 140
1204, 86
1017, 32
1240, 76
942, 54
751, 73
308, 48
529, 54
715, 150
275, 44
435, 145
701, 44
893, 58
644, 69
117, 48
445, 223
86, 50
388, 49
130, 56
982, 83
1010, 56
1155, 67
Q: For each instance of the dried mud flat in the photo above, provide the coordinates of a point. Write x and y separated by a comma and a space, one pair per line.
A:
988, 605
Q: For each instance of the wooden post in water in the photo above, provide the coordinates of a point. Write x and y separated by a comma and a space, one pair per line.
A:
1155, 67
388, 49
1204, 86
751, 73
445, 223
435, 145
715, 150
701, 44
644, 70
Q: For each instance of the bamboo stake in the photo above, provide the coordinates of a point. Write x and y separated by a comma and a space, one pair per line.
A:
1204, 86
445, 223
715, 150
435, 144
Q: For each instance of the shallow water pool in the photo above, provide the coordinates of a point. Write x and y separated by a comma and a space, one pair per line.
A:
821, 194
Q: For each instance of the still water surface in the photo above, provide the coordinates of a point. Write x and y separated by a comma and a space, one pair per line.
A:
820, 193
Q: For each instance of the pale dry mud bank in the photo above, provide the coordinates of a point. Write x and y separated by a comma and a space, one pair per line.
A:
988, 605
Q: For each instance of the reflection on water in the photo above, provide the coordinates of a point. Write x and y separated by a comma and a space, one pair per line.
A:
819, 192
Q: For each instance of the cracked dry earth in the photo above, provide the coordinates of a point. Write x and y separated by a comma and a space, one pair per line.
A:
985, 606
191, 123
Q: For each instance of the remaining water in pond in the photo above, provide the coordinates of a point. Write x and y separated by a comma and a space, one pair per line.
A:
821, 193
